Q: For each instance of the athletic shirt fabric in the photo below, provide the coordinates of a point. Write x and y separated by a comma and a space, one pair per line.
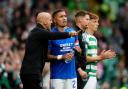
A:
61, 69
91, 50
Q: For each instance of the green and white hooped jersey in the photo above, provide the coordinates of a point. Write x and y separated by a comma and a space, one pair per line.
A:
91, 50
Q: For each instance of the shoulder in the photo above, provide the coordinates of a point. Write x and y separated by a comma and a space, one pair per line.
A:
76, 28
54, 29
92, 36
69, 29
86, 36
36, 29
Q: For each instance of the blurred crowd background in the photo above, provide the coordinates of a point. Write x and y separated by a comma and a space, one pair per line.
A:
17, 18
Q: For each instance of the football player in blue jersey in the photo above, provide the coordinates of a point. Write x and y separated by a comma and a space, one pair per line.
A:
63, 72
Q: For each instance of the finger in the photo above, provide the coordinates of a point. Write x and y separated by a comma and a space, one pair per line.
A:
113, 53
103, 51
79, 31
69, 57
110, 50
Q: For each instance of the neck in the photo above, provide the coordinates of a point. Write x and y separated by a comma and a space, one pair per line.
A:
89, 31
42, 25
61, 29
81, 28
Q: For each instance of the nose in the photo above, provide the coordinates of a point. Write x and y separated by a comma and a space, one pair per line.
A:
64, 18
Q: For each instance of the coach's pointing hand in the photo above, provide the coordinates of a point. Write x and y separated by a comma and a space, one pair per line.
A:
74, 33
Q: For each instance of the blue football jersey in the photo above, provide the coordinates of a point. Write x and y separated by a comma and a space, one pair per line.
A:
61, 69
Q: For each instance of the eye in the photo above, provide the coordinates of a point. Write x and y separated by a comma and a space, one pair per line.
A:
87, 19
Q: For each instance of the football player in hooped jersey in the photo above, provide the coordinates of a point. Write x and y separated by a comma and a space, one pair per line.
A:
91, 52
63, 73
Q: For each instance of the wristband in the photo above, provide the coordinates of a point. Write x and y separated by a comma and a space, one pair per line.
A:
59, 57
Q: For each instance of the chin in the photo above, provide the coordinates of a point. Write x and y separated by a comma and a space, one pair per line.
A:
49, 29
64, 25
95, 30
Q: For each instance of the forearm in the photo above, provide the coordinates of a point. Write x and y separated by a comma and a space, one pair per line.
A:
53, 57
79, 69
93, 59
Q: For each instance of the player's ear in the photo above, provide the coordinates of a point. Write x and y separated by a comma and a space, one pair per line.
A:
79, 20
45, 22
54, 21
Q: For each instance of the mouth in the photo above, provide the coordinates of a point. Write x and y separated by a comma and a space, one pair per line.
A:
64, 20
96, 27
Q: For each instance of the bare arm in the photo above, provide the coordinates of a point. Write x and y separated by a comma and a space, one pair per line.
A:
104, 55
51, 57
92, 59
67, 56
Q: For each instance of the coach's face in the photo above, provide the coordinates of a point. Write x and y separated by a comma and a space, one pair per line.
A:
48, 22
61, 19
44, 19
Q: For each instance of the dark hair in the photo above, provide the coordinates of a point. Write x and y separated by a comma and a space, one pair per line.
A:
81, 13
56, 12
94, 16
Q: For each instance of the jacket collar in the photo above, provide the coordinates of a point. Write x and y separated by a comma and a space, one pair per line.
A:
77, 29
40, 26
